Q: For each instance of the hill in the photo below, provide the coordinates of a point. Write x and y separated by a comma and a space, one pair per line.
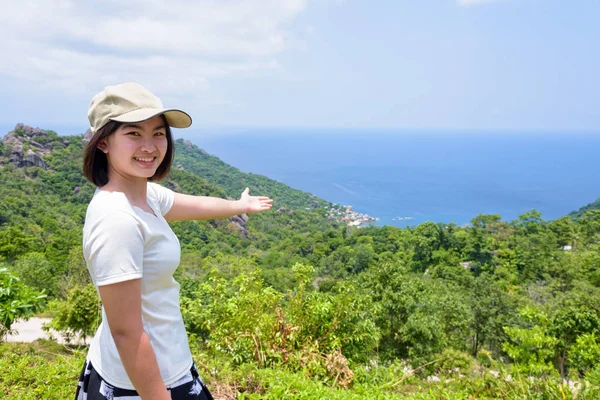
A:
581, 212
44, 198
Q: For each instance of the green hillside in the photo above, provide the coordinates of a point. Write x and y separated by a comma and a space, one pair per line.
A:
583, 210
294, 303
233, 181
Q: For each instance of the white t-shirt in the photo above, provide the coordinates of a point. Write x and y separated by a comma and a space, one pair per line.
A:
123, 242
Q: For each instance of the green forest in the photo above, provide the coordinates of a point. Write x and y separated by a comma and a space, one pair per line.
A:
293, 303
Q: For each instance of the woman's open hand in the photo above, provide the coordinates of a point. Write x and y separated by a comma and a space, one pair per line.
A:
254, 204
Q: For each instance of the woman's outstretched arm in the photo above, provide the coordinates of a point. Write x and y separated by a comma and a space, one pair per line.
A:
186, 207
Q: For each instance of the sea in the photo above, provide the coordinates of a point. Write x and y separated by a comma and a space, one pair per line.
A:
404, 178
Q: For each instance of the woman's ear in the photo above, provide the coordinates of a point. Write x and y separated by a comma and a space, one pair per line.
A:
102, 146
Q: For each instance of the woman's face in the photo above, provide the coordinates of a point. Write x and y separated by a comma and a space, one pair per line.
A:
135, 150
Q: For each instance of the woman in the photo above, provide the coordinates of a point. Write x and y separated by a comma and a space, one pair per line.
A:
140, 349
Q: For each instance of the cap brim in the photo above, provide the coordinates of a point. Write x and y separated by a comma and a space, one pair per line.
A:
175, 118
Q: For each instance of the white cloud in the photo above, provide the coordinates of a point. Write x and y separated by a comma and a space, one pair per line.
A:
475, 2
174, 47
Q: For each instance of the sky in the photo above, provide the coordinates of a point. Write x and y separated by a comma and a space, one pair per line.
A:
514, 65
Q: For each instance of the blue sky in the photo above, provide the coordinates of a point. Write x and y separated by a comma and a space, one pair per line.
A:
518, 65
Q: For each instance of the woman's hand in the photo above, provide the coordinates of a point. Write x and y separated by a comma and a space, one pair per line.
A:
187, 207
254, 204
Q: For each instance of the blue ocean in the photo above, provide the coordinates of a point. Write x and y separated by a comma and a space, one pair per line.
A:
406, 178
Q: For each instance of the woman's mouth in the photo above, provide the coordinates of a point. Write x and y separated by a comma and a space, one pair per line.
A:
145, 161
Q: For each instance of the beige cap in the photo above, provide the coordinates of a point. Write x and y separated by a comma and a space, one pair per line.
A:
131, 102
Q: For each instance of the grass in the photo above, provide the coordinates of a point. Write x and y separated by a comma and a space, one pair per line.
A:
39, 370
47, 370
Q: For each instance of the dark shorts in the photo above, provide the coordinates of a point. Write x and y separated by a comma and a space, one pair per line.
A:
93, 387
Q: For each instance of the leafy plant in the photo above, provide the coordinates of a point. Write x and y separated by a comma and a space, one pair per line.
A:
79, 314
16, 301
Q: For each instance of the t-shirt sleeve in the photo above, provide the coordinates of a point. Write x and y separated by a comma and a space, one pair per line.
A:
162, 196
116, 248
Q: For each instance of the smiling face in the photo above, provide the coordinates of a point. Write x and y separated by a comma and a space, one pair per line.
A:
135, 150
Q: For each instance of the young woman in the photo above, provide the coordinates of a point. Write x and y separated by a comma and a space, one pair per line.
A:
140, 349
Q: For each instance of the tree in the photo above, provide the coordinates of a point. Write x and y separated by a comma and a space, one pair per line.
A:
418, 317
79, 314
531, 221
585, 354
36, 271
531, 347
426, 239
566, 231
13, 242
480, 244
589, 224
16, 301
492, 310
567, 326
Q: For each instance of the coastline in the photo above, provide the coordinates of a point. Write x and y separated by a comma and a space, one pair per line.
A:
345, 213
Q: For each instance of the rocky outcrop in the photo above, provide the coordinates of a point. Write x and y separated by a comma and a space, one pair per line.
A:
15, 154
173, 186
25, 146
32, 159
87, 136
188, 145
240, 222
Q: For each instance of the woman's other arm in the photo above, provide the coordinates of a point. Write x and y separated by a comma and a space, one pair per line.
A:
123, 306
186, 207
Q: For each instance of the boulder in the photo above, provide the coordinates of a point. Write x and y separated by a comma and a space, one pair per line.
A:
240, 223
16, 154
36, 144
32, 159
172, 185
11, 134
11, 140
54, 145
32, 132
38, 132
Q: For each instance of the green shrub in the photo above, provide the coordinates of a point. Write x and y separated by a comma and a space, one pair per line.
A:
79, 315
35, 270
305, 331
453, 362
16, 300
39, 370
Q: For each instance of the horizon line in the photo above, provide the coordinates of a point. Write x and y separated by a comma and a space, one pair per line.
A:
404, 129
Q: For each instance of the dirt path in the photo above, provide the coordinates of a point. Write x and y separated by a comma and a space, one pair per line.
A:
31, 330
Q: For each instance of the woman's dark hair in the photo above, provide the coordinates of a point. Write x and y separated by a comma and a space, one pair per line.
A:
95, 163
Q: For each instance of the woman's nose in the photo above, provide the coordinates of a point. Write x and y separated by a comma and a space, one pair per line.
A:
148, 145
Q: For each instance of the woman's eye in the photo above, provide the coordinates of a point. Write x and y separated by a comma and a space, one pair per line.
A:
160, 134
133, 133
